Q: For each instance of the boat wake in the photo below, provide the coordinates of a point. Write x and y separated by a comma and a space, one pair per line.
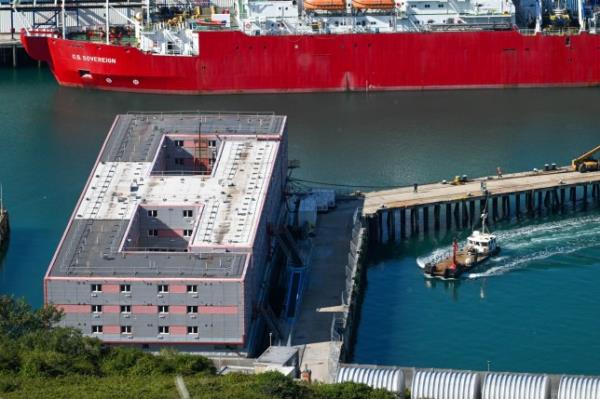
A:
525, 245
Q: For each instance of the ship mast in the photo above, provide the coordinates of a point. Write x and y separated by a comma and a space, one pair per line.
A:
538, 18
580, 15
483, 219
62, 17
107, 20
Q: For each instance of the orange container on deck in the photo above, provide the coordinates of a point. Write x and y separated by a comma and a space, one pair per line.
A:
373, 4
329, 5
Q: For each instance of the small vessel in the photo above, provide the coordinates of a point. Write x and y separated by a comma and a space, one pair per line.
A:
481, 245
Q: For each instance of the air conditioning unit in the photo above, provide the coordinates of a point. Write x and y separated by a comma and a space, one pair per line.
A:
192, 316
127, 295
126, 316
94, 294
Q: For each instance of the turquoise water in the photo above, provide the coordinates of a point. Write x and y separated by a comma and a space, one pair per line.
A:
537, 310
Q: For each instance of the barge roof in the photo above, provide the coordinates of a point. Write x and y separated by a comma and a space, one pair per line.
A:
126, 182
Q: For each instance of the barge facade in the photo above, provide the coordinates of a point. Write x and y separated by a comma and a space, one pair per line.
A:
170, 239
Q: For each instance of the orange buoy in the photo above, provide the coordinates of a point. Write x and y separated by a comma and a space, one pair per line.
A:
329, 5
373, 4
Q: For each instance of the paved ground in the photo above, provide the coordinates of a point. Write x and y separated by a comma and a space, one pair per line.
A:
327, 280
6, 39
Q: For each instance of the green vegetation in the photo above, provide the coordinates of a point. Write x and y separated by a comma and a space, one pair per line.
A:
40, 360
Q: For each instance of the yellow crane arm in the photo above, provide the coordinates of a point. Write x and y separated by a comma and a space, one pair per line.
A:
584, 156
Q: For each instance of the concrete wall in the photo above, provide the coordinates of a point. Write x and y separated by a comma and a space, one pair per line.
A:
169, 223
264, 239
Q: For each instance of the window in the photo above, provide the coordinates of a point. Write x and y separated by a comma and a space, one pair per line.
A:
187, 233
192, 288
192, 329
125, 329
440, 5
427, 5
188, 213
212, 143
178, 161
125, 308
163, 329
163, 309
96, 287
163, 288
96, 329
126, 288
192, 309
97, 308
152, 213
178, 143
153, 233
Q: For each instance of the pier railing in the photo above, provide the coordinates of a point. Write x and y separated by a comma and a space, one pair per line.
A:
342, 323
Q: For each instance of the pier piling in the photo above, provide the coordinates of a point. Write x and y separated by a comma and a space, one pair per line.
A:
533, 193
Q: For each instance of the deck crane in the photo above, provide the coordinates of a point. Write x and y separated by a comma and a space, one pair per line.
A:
585, 162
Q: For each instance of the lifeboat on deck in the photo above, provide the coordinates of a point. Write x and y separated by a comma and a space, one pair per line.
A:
373, 4
327, 5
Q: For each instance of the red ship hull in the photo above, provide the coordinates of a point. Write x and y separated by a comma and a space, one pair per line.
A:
233, 62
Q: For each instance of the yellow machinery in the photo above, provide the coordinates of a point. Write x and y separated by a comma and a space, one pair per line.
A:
586, 162
459, 180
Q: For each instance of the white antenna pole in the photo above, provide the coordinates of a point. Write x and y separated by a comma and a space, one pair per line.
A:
147, 12
107, 25
580, 15
62, 16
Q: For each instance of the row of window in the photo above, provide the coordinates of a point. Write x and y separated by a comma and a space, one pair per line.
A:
163, 309
98, 329
187, 213
154, 233
162, 288
211, 143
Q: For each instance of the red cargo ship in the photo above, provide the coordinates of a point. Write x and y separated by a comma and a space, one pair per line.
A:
328, 51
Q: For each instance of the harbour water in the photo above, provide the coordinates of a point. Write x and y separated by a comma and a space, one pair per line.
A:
534, 310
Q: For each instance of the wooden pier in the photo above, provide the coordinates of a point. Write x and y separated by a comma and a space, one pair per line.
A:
399, 213
9, 49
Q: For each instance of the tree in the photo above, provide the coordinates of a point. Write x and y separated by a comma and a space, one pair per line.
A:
18, 318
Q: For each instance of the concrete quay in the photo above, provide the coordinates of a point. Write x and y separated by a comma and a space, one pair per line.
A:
323, 327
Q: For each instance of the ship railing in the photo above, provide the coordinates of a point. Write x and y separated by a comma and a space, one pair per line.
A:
43, 32
182, 172
218, 114
561, 32
527, 32
468, 28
